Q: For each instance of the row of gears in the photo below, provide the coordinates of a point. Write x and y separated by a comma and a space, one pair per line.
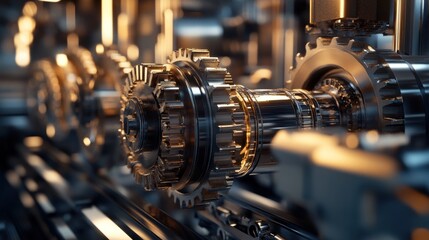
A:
189, 130
78, 96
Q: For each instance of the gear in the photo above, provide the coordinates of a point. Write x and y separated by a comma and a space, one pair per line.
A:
163, 166
108, 89
48, 100
339, 67
153, 165
226, 150
85, 104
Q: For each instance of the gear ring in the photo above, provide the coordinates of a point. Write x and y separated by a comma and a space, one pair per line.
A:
169, 89
360, 67
226, 150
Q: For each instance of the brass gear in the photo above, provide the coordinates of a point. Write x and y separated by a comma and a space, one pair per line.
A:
48, 101
86, 106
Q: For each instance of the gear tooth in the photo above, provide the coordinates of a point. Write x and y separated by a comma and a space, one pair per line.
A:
350, 44
208, 62
228, 79
299, 57
162, 174
308, 47
320, 42
334, 41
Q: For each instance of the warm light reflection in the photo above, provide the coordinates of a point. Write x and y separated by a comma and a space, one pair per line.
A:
358, 162
50, 130
99, 48
26, 24
29, 9
372, 136
107, 22
70, 16
26, 200
225, 61
352, 141
301, 142
31, 185
133, 52
61, 59
104, 223
72, 40
342, 8
168, 30
22, 55
22, 39
33, 141
53, 1
87, 141
123, 30
420, 234
417, 201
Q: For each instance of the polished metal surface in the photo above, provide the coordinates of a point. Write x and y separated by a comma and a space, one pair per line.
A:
390, 93
167, 106
108, 133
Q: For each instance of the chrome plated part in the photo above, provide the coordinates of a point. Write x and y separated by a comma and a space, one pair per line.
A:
385, 91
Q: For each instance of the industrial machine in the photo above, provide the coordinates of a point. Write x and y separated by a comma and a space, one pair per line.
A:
215, 120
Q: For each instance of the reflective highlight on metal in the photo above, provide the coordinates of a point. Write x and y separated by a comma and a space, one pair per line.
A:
188, 129
380, 90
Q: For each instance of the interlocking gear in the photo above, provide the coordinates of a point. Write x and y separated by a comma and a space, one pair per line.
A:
188, 129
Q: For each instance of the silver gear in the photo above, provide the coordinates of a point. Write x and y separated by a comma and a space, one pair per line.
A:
360, 67
226, 150
165, 171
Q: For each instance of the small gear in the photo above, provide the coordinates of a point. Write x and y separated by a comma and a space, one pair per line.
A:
340, 66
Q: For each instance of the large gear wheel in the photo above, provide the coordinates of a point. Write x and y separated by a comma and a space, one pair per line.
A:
171, 95
360, 78
225, 150
162, 91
